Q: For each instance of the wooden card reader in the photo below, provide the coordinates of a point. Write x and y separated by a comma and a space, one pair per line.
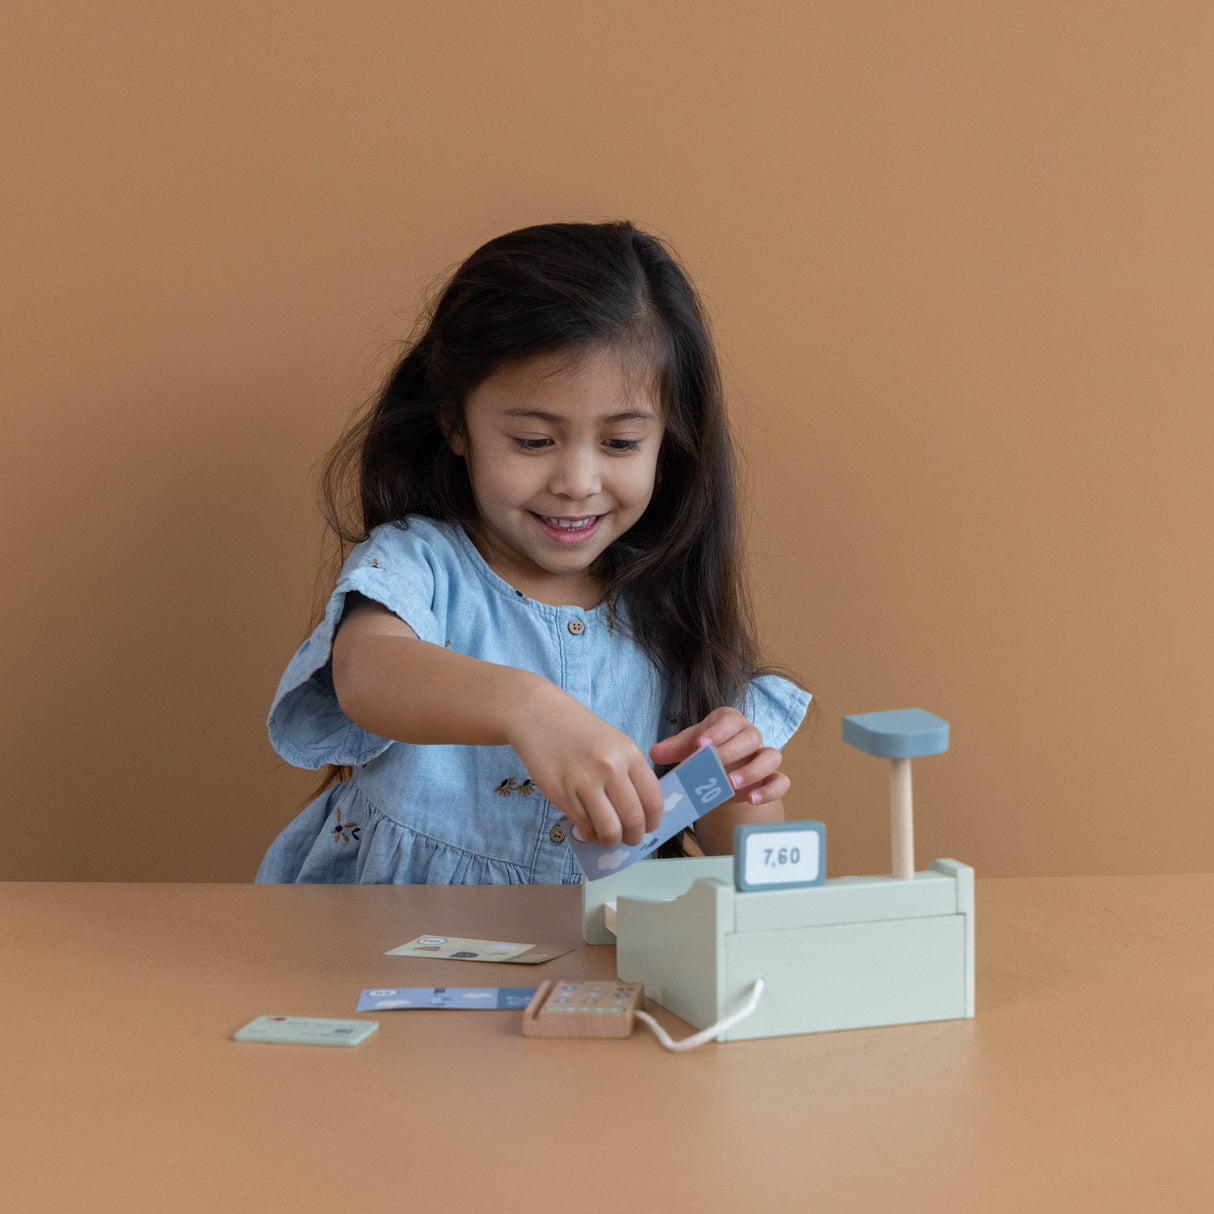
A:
572, 1008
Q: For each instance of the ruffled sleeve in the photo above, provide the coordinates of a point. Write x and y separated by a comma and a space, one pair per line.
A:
776, 706
395, 567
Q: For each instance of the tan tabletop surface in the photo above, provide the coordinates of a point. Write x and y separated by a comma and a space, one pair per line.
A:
1085, 1083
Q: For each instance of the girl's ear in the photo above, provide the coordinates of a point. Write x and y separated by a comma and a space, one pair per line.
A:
453, 430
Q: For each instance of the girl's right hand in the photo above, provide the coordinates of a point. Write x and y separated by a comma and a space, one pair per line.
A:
594, 774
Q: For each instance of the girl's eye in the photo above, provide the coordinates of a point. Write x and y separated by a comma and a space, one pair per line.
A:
531, 444
624, 444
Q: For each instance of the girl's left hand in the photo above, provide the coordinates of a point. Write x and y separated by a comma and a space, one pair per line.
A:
754, 769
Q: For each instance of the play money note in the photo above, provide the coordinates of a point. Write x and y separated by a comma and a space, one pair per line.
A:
693, 788
461, 948
467, 998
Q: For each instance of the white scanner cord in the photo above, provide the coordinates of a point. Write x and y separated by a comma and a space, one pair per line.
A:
713, 1031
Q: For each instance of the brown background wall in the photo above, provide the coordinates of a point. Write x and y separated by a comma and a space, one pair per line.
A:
959, 260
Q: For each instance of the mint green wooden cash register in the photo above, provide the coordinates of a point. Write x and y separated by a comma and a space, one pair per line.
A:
850, 952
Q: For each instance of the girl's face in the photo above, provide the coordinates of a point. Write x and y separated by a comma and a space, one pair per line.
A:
561, 453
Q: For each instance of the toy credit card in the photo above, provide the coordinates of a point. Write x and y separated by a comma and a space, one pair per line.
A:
693, 788
468, 998
461, 948
306, 1030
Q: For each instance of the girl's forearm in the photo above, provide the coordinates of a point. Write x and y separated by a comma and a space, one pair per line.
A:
395, 685
412, 691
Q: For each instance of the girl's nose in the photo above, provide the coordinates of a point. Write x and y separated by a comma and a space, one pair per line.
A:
576, 475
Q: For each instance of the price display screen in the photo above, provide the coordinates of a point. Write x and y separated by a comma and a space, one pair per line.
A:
779, 855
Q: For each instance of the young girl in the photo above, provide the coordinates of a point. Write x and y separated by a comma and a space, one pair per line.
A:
546, 594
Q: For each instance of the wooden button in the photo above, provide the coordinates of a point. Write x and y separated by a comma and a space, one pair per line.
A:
577, 627
557, 834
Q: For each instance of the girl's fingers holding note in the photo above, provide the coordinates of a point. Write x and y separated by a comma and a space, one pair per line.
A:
592, 772
741, 746
754, 769
604, 822
761, 792
758, 766
712, 730
649, 793
626, 805
677, 747
725, 728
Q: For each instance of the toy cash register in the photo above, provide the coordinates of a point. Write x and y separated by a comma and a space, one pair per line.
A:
849, 952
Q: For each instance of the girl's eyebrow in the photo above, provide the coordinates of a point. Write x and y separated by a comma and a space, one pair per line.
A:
627, 415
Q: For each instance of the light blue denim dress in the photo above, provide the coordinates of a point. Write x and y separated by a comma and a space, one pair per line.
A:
460, 815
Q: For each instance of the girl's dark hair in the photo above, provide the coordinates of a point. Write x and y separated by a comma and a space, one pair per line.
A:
572, 287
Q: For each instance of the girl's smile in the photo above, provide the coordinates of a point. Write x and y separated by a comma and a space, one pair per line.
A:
561, 452
570, 531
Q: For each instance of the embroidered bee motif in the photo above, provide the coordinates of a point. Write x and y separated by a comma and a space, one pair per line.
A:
339, 831
672, 717
375, 561
522, 596
513, 785
446, 644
